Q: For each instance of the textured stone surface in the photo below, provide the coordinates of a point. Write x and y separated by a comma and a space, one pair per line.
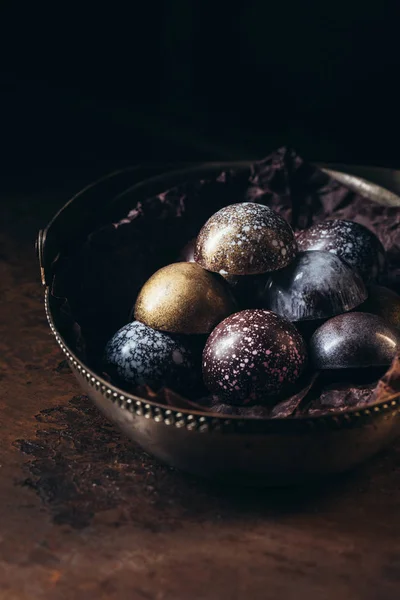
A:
86, 514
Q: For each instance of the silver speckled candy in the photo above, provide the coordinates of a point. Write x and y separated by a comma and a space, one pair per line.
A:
317, 285
245, 239
352, 242
354, 340
251, 355
139, 355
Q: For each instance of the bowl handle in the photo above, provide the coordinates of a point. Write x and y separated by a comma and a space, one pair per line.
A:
39, 254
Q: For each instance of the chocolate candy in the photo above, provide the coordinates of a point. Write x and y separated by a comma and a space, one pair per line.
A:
184, 298
245, 239
252, 355
138, 355
243, 286
316, 285
383, 302
353, 341
352, 242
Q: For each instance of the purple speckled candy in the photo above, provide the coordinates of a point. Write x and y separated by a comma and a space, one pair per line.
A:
139, 355
352, 242
245, 239
251, 355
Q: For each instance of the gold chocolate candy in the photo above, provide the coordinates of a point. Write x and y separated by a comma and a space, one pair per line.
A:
184, 298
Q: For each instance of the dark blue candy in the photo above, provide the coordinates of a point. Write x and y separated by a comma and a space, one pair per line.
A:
138, 355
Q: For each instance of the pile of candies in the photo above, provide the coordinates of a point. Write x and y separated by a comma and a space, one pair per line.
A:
250, 307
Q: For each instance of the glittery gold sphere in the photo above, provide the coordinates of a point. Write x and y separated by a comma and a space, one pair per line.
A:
383, 302
245, 239
184, 298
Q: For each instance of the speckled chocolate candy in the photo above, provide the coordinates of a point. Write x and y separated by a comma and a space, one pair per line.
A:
139, 355
352, 242
245, 239
353, 341
242, 286
187, 255
251, 355
317, 285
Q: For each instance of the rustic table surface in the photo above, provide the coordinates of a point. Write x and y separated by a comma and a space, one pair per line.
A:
84, 513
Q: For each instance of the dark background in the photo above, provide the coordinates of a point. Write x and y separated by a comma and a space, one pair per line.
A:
86, 92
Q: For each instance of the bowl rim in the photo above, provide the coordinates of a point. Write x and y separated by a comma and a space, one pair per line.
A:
150, 408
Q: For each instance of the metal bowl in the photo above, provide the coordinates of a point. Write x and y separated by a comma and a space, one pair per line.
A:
241, 450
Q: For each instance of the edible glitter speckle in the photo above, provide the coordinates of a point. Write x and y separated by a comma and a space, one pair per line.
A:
245, 239
251, 355
138, 355
352, 242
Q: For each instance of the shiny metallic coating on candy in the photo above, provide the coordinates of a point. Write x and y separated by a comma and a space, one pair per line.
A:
383, 302
187, 255
251, 355
354, 340
316, 285
184, 298
352, 242
139, 355
245, 239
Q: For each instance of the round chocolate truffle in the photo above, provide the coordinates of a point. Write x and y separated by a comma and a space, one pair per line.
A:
184, 298
352, 242
138, 355
353, 341
383, 302
316, 285
245, 239
252, 355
